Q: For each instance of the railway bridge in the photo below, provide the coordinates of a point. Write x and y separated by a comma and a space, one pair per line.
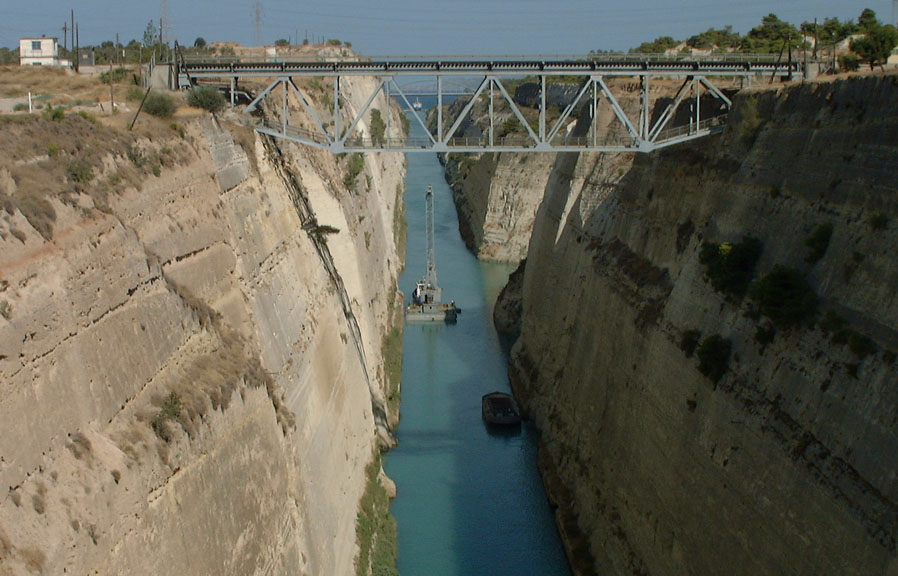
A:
485, 80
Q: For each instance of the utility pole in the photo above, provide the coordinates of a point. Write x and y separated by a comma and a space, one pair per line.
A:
77, 46
65, 36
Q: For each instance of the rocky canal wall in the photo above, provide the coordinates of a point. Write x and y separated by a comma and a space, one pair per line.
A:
191, 374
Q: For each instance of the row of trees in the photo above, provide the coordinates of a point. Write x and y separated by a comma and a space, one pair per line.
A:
774, 35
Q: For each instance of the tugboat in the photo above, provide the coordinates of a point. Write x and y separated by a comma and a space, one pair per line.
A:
416, 105
500, 409
426, 304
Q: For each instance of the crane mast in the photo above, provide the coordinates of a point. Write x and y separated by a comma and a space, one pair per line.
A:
431, 260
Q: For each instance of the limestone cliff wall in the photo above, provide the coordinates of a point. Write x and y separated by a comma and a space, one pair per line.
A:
787, 463
191, 378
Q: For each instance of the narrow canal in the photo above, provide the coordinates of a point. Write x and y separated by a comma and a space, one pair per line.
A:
469, 501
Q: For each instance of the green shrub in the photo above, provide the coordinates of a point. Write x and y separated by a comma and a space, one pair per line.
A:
113, 76
20, 107
818, 242
785, 297
160, 105
849, 62
714, 357
54, 114
207, 98
879, 221
689, 341
87, 116
170, 410
53, 150
353, 169
5, 309
730, 267
80, 171
378, 128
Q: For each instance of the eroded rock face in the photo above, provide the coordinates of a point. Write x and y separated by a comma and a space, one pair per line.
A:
191, 380
787, 463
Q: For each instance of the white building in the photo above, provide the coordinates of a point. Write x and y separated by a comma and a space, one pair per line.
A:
39, 52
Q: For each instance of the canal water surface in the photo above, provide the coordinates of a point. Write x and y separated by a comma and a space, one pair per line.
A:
469, 501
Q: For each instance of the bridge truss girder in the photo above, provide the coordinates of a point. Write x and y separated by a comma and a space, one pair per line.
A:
642, 133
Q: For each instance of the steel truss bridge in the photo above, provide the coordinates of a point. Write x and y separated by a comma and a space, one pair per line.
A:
645, 132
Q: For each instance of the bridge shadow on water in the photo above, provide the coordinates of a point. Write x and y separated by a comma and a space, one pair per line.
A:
469, 500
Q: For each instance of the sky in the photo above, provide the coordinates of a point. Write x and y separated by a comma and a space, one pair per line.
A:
422, 27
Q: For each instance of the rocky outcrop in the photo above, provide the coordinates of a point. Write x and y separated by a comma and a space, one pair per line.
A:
694, 429
191, 380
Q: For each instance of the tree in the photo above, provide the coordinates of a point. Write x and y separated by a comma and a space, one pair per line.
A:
876, 46
656, 46
711, 38
151, 34
867, 20
199, 42
281, 42
773, 35
831, 31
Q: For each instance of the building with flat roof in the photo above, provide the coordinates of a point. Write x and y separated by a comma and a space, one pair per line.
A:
39, 52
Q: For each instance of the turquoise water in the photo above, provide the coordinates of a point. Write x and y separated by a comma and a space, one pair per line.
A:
469, 501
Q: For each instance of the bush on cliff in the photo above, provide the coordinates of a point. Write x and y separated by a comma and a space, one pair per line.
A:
207, 98
730, 267
160, 105
714, 357
785, 297
378, 127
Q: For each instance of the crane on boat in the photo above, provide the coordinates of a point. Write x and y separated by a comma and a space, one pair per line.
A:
426, 304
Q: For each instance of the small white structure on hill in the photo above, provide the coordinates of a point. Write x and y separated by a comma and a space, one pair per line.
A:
39, 52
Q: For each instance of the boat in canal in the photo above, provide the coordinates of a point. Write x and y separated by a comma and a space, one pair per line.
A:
500, 409
427, 304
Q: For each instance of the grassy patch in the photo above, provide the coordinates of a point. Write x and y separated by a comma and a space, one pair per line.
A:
375, 528
393, 369
730, 267
785, 297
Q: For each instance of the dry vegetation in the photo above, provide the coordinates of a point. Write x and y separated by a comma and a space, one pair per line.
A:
61, 85
79, 155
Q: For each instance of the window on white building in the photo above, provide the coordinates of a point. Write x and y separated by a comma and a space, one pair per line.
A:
36, 45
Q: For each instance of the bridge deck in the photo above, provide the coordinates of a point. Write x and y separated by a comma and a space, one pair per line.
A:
710, 66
